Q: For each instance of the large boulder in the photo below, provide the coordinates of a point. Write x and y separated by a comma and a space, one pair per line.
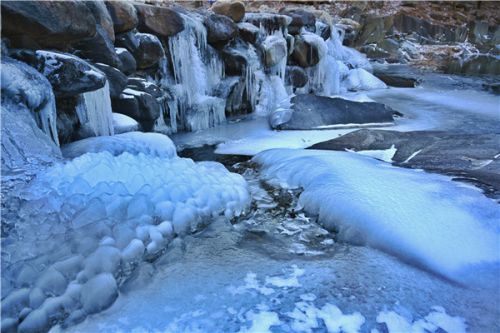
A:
373, 29
308, 49
138, 105
220, 29
68, 74
296, 76
116, 79
161, 21
99, 48
123, 14
140, 84
146, 48
248, 32
102, 17
300, 18
128, 65
274, 50
46, 23
317, 112
232, 9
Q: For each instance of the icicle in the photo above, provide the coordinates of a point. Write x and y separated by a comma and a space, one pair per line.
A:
94, 110
46, 118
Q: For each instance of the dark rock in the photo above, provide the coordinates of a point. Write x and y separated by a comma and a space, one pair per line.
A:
300, 18
405, 23
232, 9
296, 76
136, 104
484, 64
270, 22
274, 50
127, 61
312, 112
146, 48
99, 48
67, 119
46, 23
102, 17
373, 29
140, 84
123, 14
248, 32
235, 61
305, 52
469, 156
68, 74
128, 40
397, 81
290, 44
390, 45
220, 29
323, 30
372, 51
161, 21
116, 79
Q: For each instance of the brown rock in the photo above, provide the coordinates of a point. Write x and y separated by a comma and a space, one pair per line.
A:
161, 21
123, 14
46, 23
305, 53
232, 9
102, 17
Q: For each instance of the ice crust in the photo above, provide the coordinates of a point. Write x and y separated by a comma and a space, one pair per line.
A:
447, 227
90, 221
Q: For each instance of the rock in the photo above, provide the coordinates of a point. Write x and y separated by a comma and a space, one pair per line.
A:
323, 30
235, 61
137, 104
123, 14
67, 119
300, 18
102, 17
161, 21
99, 293
290, 44
296, 76
274, 50
307, 50
397, 81
220, 29
141, 84
405, 23
466, 155
484, 64
128, 64
313, 112
248, 32
46, 23
390, 45
361, 79
123, 124
146, 48
116, 79
373, 29
232, 9
68, 74
268, 21
100, 48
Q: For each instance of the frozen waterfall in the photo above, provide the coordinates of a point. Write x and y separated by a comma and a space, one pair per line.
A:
94, 112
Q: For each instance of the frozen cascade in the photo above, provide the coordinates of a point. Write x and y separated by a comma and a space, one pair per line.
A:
197, 69
94, 111
46, 119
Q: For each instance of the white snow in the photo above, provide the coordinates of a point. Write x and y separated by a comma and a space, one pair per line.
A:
385, 155
360, 79
123, 123
261, 322
425, 218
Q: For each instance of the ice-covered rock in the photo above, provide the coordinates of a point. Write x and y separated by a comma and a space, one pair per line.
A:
220, 29
123, 123
274, 50
99, 293
360, 79
422, 218
116, 79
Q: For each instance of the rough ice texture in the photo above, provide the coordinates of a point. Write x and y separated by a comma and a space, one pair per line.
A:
84, 225
154, 144
95, 113
123, 123
428, 219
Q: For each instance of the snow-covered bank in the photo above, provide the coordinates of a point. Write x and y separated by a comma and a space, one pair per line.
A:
82, 227
428, 219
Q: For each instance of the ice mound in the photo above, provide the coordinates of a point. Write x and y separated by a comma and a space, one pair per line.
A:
154, 144
123, 123
84, 225
424, 218
361, 79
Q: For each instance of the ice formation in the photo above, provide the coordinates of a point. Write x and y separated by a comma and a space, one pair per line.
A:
123, 123
92, 220
95, 113
428, 219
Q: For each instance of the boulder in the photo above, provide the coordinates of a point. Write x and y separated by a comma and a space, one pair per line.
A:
146, 48
220, 29
53, 24
140, 84
300, 18
232, 9
128, 64
99, 48
68, 74
248, 32
123, 15
102, 17
296, 76
274, 50
317, 112
361, 79
308, 50
67, 119
137, 104
99, 293
161, 21
373, 29
268, 21
400, 81
116, 79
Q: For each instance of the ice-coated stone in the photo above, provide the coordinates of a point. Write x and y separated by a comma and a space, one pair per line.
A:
99, 293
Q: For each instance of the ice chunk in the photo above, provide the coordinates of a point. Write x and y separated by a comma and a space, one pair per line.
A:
99, 293
94, 111
360, 79
123, 123
261, 322
424, 218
